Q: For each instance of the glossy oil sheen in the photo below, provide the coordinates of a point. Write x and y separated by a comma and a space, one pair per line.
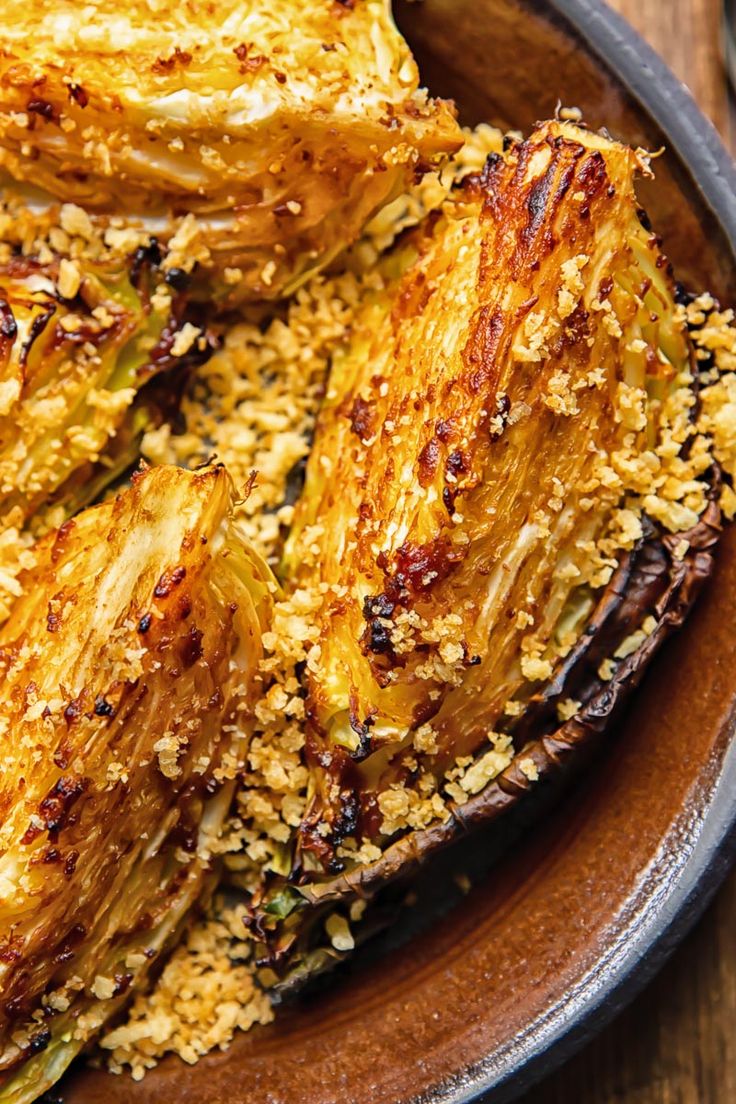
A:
557, 935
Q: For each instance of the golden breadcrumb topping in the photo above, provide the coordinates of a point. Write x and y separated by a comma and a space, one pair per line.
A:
206, 992
254, 405
714, 332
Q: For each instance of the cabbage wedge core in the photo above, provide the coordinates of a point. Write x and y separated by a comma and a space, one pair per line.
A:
127, 668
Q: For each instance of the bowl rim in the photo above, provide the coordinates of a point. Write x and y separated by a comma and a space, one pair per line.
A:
691, 135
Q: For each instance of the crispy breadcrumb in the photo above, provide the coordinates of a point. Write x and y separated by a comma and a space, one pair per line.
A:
256, 403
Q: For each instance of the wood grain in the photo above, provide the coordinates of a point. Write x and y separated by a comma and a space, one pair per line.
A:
677, 1043
687, 33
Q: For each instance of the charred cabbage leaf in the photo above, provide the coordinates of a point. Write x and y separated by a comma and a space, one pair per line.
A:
280, 127
80, 339
127, 668
506, 507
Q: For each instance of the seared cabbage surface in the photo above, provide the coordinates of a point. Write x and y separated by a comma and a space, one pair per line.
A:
280, 127
127, 669
506, 445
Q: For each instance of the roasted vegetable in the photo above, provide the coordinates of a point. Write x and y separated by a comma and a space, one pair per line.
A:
81, 336
506, 508
281, 127
126, 673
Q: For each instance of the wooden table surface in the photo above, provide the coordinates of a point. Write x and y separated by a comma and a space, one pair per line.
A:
677, 1043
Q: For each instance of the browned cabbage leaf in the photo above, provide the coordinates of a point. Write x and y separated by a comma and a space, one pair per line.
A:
506, 508
80, 339
277, 129
127, 670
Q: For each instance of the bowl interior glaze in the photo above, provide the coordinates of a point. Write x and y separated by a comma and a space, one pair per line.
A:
545, 948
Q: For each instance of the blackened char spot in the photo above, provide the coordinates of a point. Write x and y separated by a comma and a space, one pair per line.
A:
543, 198
39, 324
313, 841
377, 609
191, 649
122, 983
536, 203
457, 463
378, 638
185, 836
361, 728
566, 177
78, 94
488, 176
161, 358
347, 819
8, 325
413, 570
644, 219
39, 1041
377, 605
103, 707
178, 279
144, 256
43, 108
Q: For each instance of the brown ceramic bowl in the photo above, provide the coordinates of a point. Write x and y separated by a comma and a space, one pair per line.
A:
588, 901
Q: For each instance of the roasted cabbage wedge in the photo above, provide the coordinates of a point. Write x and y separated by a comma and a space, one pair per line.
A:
506, 508
127, 670
83, 332
280, 127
